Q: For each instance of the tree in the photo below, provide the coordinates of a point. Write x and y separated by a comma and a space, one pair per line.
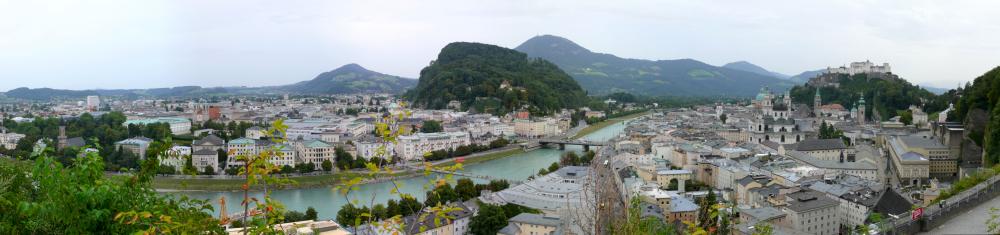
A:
906, 117
569, 159
489, 220
634, 223
554, 167
189, 168
44, 197
343, 158
223, 156
166, 170
392, 208
708, 211
723, 118
311, 213
348, 214
286, 169
466, 189
409, 205
762, 228
431, 126
209, 170
327, 165
294, 216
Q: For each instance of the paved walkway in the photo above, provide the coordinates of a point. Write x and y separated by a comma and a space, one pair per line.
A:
971, 222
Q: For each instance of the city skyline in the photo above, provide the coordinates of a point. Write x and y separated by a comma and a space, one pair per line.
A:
110, 45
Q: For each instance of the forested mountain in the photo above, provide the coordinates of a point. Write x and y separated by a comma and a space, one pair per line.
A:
493, 79
600, 73
46, 93
753, 68
350, 79
977, 110
889, 95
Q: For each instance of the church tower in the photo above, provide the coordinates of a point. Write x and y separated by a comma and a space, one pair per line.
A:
61, 144
817, 101
788, 100
861, 110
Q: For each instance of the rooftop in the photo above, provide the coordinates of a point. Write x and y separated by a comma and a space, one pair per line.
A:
807, 200
820, 144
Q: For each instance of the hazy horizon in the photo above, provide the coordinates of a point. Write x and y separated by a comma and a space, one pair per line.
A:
153, 44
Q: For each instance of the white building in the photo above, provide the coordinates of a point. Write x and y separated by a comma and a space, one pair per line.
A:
369, 148
178, 126
285, 155
93, 102
314, 151
812, 212
413, 147
861, 67
9, 140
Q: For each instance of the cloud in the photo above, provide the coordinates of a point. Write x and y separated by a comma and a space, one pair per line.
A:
114, 44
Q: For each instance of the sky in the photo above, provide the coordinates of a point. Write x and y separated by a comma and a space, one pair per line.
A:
148, 44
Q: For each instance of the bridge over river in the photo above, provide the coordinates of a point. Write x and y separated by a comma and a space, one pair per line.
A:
563, 142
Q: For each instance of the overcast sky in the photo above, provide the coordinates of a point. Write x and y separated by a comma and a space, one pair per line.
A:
146, 44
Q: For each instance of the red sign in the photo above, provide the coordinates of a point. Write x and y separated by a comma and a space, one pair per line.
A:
917, 213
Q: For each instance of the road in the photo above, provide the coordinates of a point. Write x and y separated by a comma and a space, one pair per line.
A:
971, 222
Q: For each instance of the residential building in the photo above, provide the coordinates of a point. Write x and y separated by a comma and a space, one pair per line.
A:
413, 147
9, 140
136, 145
532, 224
205, 158
824, 149
210, 142
812, 212
315, 151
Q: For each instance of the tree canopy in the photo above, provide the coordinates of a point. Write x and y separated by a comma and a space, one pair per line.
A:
472, 73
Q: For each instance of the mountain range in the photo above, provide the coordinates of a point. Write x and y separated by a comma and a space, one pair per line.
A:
601, 73
347, 79
597, 73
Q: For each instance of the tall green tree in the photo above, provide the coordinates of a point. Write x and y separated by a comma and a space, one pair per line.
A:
431, 126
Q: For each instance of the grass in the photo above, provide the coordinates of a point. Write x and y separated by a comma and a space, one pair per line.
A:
310, 181
486, 158
600, 125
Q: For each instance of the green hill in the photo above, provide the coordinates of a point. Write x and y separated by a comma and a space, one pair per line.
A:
976, 108
351, 79
894, 94
601, 73
473, 74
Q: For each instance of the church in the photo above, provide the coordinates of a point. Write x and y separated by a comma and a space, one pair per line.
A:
773, 121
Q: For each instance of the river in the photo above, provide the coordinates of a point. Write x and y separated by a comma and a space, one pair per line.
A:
327, 201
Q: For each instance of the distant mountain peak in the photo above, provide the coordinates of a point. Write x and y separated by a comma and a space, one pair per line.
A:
551, 43
753, 68
352, 67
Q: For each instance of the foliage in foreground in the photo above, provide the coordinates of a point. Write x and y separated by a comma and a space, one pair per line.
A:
49, 198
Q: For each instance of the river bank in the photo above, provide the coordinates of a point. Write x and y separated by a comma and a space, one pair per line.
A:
168, 184
516, 165
601, 125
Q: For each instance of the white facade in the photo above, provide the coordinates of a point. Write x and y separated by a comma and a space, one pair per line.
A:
9, 140
861, 67
93, 102
413, 147
368, 149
